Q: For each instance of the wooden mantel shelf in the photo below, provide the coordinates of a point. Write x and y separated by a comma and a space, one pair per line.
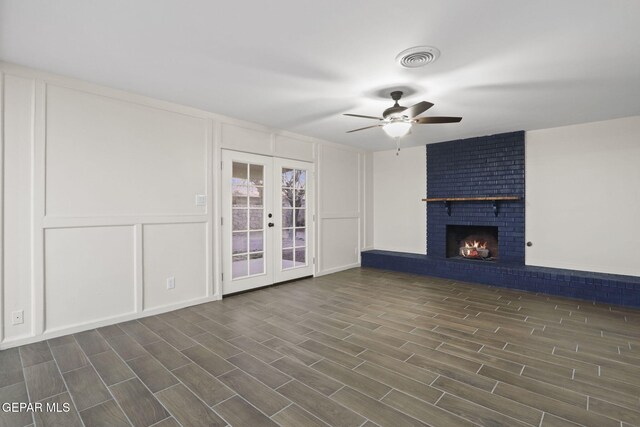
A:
470, 199
493, 199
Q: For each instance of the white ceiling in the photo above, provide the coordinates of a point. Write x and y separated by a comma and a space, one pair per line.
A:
299, 64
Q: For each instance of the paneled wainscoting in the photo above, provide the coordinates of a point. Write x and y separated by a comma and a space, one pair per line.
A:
360, 347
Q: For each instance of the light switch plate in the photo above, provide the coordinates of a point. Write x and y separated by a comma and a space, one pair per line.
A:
201, 200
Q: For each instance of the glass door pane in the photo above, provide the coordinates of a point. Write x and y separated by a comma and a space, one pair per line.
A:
247, 237
294, 218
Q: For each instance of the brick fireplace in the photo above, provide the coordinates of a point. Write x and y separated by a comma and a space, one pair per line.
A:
484, 167
477, 192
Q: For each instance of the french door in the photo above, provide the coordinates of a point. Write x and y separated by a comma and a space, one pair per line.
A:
267, 220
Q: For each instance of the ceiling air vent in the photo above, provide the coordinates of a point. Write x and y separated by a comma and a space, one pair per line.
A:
418, 56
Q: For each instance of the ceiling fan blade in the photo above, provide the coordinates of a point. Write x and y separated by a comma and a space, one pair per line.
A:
363, 117
368, 127
416, 110
427, 120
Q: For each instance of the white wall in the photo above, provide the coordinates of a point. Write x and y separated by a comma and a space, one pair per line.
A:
178, 251
583, 196
367, 210
399, 214
340, 215
98, 202
19, 93
133, 159
90, 275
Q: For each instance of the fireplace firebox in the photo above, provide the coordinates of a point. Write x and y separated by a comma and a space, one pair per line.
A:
472, 242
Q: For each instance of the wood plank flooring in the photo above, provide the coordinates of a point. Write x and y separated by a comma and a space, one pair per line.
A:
358, 348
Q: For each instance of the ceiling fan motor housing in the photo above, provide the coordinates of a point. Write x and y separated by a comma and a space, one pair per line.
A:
394, 111
396, 95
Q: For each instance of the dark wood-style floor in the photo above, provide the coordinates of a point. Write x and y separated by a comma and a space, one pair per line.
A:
358, 348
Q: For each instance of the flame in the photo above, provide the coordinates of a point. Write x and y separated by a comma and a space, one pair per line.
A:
476, 244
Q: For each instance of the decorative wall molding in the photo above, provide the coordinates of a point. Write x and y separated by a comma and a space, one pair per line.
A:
279, 142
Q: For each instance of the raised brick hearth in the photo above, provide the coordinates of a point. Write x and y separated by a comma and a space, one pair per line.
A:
608, 288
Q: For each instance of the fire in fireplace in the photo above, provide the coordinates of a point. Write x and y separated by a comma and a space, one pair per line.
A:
472, 242
475, 249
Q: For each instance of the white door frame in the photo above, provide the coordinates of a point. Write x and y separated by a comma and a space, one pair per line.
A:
272, 196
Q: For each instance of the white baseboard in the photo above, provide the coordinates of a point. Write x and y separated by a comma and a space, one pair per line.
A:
104, 322
337, 269
72, 329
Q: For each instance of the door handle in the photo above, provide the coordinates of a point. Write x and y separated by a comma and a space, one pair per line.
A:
271, 224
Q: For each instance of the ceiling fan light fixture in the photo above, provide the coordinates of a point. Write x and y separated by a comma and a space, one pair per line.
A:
397, 129
397, 121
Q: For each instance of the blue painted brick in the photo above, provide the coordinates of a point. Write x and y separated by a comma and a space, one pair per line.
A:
482, 166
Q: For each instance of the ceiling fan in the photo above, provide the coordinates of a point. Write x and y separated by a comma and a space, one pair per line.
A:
396, 121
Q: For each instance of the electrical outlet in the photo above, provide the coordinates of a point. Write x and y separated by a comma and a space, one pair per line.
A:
171, 282
17, 317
